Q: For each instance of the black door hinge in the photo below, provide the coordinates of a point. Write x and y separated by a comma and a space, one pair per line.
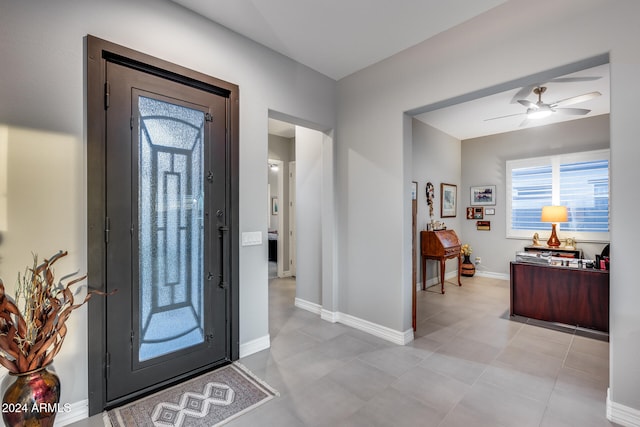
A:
107, 365
107, 229
107, 94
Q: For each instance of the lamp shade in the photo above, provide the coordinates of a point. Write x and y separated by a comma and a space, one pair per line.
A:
554, 214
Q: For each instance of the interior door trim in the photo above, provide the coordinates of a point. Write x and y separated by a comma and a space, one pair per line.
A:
98, 52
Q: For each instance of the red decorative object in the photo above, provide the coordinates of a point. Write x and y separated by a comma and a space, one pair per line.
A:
554, 214
32, 399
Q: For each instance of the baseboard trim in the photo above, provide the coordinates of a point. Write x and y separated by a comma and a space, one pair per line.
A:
492, 275
436, 280
329, 316
388, 334
621, 414
309, 306
454, 275
255, 346
72, 413
396, 337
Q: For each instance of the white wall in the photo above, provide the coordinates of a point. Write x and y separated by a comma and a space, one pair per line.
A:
494, 48
483, 163
42, 91
308, 215
46, 213
436, 158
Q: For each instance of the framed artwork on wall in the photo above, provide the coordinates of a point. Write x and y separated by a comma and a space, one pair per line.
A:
483, 195
274, 206
448, 195
483, 225
478, 212
469, 213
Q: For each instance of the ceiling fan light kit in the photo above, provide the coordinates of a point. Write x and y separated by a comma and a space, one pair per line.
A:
539, 113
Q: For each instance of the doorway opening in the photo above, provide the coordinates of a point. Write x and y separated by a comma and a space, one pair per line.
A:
434, 131
300, 214
282, 199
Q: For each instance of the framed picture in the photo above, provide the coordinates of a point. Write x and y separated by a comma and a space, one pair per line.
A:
489, 211
469, 213
274, 206
478, 212
483, 195
414, 190
448, 195
483, 225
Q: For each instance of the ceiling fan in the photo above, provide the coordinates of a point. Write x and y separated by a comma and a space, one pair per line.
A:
526, 90
540, 109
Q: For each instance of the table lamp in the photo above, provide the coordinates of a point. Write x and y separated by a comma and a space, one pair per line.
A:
554, 215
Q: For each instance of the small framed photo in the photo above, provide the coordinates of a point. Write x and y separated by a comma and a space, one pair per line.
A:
478, 212
483, 225
483, 195
470, 213
489, 211
274, 206
414, 190
448, 195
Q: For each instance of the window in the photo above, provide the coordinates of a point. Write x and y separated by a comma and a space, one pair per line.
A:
579, 181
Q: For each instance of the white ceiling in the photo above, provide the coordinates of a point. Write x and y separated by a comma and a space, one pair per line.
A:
468, 119
340, 37
280, 128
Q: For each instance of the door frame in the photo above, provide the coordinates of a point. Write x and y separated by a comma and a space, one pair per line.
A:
281, 201
291, 206
98, 52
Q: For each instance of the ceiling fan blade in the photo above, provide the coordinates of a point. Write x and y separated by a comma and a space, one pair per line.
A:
573, 111
526, 90
528, 103
574, 79
523, 93
576, 99
504, 117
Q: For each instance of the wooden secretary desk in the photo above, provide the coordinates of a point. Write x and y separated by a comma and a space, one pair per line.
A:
439, 245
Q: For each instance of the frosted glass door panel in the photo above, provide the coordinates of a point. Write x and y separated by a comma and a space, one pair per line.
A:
171, 234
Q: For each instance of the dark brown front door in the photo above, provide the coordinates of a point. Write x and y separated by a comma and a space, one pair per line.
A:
167, 246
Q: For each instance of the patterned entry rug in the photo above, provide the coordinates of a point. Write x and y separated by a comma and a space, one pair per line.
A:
211, 399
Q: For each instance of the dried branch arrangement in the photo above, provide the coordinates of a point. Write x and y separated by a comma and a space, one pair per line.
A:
32, 336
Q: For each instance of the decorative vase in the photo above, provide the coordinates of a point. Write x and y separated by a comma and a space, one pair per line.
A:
468, 269
32, 399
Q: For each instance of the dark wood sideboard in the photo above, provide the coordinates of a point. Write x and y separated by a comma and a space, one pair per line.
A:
572, 296
439, 245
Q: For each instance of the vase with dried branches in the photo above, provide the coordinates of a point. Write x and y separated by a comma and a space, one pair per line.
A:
32, 330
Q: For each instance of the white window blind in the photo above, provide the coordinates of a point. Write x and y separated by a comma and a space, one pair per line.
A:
579, 181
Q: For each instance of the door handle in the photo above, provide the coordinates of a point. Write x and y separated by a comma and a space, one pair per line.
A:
222, 233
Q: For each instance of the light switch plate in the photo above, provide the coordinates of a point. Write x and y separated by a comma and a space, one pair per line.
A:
251, 238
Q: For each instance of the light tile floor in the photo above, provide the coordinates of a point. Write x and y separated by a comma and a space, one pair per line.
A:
468, 366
